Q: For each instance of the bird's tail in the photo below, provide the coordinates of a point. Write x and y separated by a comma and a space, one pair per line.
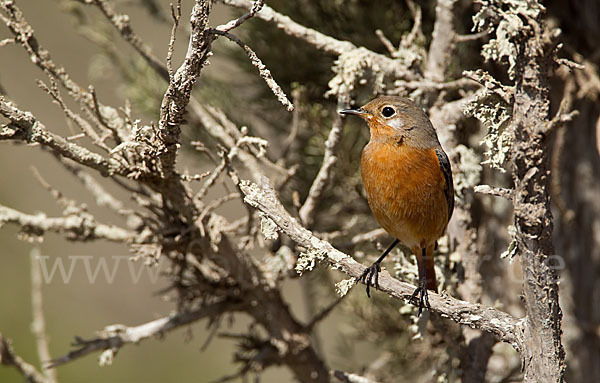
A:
431, 281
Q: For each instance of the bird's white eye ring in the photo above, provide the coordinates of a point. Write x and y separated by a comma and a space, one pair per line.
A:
388, 111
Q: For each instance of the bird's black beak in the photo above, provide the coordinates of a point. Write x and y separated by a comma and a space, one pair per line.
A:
358, 112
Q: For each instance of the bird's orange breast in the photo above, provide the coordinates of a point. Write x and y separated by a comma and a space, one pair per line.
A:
405, 189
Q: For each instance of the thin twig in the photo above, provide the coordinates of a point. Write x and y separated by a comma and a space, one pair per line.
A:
323, 313
495, 191
122, 23
257, 6
176, 15
25, 127
346, 377
38, 326
8, 357
263, 71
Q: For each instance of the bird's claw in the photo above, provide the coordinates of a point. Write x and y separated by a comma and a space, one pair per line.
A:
421, 291
367, 277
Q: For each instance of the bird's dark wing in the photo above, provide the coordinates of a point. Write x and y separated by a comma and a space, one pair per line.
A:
447, 170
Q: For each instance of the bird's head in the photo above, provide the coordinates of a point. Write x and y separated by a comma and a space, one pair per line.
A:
398, 119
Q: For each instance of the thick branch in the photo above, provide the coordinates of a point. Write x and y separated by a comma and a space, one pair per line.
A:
178, 93
478, 316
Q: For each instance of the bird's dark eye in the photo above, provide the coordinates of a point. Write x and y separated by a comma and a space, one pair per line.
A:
388, 111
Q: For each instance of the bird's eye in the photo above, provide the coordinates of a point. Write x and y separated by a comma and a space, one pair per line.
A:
388, 111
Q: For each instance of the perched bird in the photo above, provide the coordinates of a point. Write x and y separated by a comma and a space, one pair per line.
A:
408, 181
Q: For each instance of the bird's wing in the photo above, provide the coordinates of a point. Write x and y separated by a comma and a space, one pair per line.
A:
447, 170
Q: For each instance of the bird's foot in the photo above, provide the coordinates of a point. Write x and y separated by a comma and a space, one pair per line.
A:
368, 275
421, 292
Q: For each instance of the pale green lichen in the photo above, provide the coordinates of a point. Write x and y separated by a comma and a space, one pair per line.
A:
343, 286
308, 260
509, 19
469, 168
267, 227
276, 266
357, 66
494, 114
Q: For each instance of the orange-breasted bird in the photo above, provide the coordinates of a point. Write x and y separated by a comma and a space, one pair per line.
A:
408, 181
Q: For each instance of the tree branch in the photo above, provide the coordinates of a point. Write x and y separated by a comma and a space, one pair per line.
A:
80, 226
112, 338
9, 358
503, 325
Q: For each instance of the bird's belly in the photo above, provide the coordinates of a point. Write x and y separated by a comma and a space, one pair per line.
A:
405, 193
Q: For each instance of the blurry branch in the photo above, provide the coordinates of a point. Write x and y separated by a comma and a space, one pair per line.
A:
307, 211
256, 6
122, 24
38, 326
264, 198
323, 42
85, 126
102, 196
319, 40
323, 313
429, 85
112, 338
9, 358
345, 377
495, 191
80, 226
442, 41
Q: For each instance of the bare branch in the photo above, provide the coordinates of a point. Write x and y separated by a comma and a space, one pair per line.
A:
503, 325
263, 71
122, 23
77, 227
346, 377
323, 42
257, 6
498, 192
177, 96
24, 126
103, 197
442, 41
176, 15
112, 338
9, 358
38, 326
24, 35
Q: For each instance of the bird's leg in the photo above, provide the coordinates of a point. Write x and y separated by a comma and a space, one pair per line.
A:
374, 269
421, 291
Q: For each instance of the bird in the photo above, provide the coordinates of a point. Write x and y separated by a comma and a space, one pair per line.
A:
408, 182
